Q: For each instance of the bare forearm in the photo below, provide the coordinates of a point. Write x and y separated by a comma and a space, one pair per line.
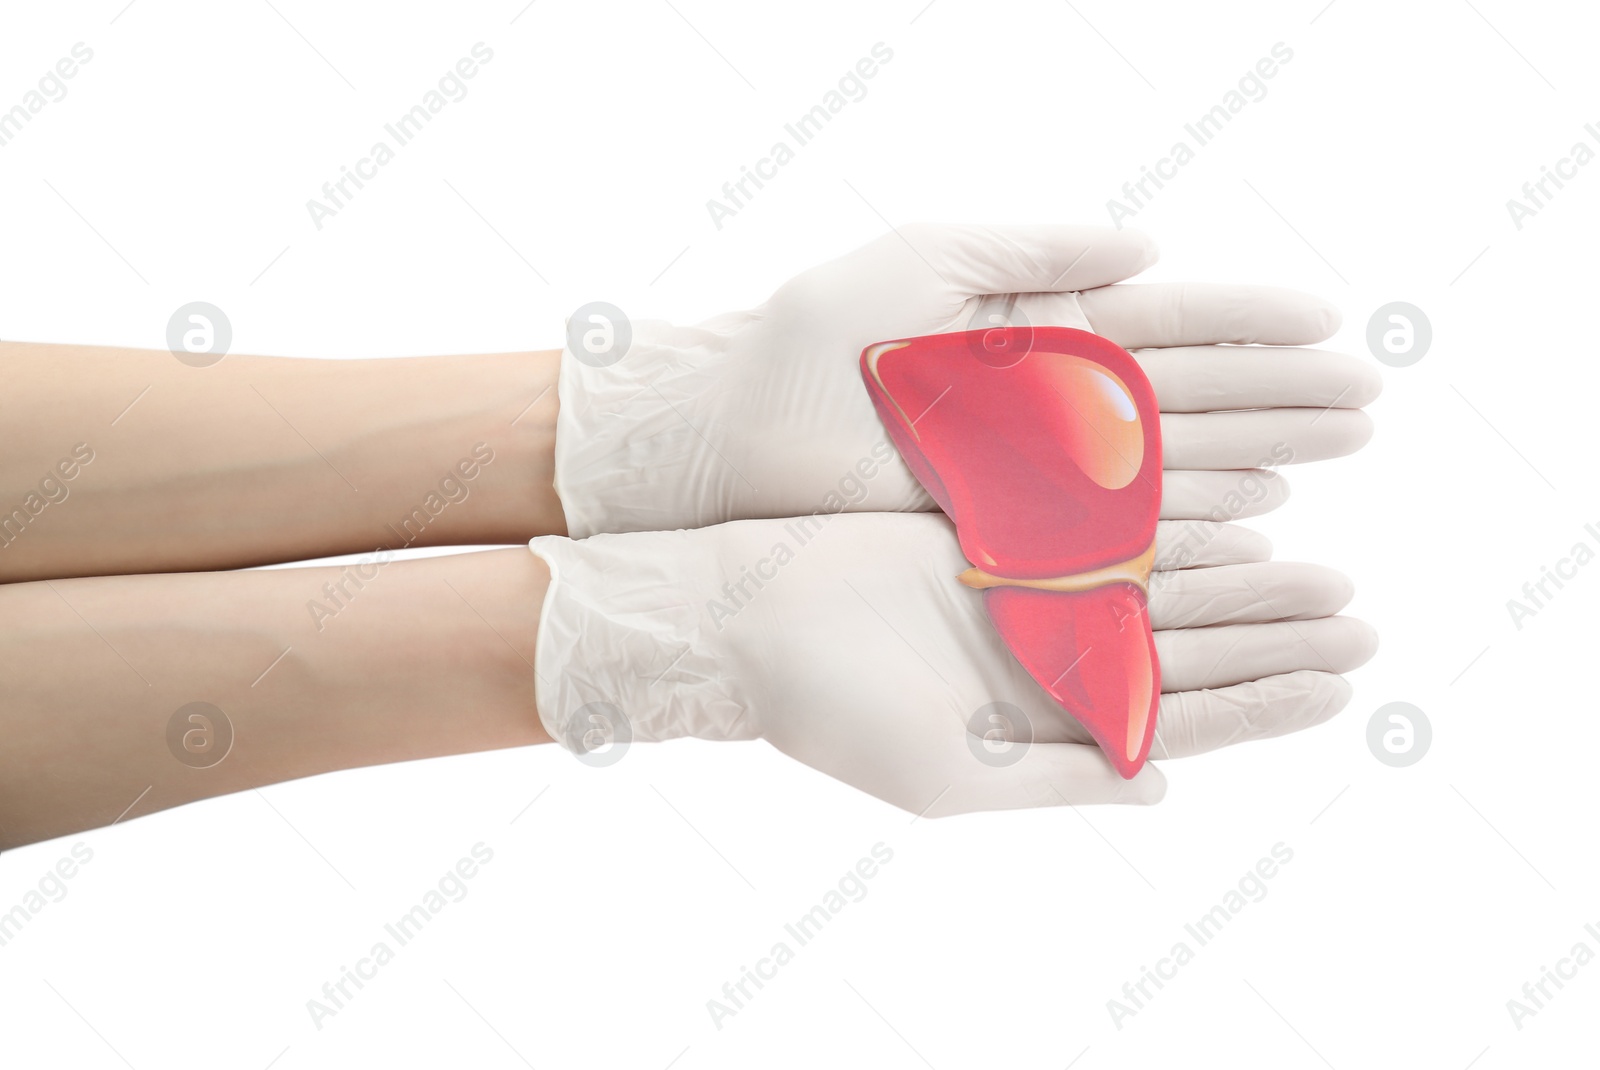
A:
403, 660
264, 459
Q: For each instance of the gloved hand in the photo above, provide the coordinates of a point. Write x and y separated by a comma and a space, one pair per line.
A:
762, 413
845, 641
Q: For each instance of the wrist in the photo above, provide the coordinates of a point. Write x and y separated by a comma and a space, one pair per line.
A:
625, 650
635, 427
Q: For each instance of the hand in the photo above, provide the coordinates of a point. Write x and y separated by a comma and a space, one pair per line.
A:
847, 643
763, 413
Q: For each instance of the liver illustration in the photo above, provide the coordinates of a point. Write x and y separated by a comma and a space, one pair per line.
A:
1043, 445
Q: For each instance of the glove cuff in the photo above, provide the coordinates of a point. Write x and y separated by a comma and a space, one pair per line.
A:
630, 453
622, 656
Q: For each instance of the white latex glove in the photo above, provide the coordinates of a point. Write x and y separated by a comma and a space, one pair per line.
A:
846, 642
763, 414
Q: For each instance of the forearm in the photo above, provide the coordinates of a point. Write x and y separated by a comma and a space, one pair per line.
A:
264, 459
422, 658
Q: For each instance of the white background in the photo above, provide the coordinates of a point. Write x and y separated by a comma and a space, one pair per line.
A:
1378, 167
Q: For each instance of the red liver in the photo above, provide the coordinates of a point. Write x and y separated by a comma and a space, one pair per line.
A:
1043, 444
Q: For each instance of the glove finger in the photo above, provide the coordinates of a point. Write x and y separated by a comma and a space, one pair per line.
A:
1253, 593
1193, 722
1035, 309
1214, 378
1194, 658
1230, 440
1184, 544
1221, 496
1027, 258
1027, 775
1194, 314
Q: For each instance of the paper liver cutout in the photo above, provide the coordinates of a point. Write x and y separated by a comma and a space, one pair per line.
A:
1043, 445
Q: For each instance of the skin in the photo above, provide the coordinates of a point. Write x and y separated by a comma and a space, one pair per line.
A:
430, 657
258, 460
